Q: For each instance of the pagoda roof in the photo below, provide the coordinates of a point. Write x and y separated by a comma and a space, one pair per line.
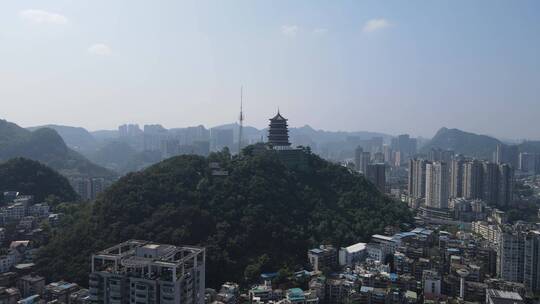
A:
278, 117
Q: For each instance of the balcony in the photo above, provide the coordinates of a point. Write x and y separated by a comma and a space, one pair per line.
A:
116, 294
115, 288
139, 295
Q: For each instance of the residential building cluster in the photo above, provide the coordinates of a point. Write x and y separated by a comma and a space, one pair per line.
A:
27, 287
517, 247
529, 163
433, 183
23, 211
383, 164
88, 188
373, 168
168, 143
423, 265
21, 232
19, 206
130, 272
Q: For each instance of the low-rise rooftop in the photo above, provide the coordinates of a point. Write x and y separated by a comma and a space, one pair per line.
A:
356, 247
503, 297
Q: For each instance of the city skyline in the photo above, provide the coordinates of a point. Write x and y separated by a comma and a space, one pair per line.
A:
505, 140
269, 152
334, 66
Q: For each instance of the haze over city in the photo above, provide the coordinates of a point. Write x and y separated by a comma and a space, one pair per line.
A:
269, 152
406, 67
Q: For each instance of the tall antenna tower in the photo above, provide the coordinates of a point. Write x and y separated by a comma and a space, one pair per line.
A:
241, 119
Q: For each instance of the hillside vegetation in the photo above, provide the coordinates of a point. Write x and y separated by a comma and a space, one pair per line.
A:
263, 216
470, 144
76, 138
33, 178
46, 146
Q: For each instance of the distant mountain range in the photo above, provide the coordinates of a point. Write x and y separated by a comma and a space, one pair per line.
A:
124, 154
46, 146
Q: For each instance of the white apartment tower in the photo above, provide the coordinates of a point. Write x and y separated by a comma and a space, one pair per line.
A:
361, 160
437, 185
417, 178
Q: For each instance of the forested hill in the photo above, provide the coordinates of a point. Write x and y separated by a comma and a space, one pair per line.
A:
46, 146
263, 216
479, 146
33, 178
471, 144
76, 138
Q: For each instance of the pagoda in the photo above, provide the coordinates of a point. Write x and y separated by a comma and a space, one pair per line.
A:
278, 132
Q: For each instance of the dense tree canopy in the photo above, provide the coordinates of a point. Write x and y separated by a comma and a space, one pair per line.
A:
33, 178
263, 216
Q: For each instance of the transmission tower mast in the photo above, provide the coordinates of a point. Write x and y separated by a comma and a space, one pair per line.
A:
241, 120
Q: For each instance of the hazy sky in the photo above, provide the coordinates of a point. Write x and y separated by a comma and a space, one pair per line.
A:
392, 66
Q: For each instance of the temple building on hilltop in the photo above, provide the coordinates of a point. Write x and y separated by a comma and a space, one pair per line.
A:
278, 141
278, 133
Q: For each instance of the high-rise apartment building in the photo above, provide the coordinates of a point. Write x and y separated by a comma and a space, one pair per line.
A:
376, 173
388, 154
88, 188
397, 159
376, 144
510, 255
437, 185
500, 154
413, 147
529, 162
456, 177
221, 138
405, 145
490, 180
519, 256
438, 154
361, 160
97, 185
505, 188
129, 130
82, 187
507, 154
140, 272
378, 158
417, 178
472, 180
531, 261
152, 137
